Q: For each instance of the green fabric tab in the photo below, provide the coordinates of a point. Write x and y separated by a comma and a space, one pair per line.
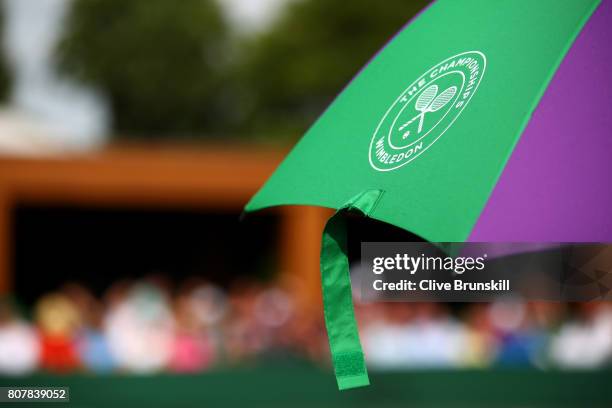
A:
342, 331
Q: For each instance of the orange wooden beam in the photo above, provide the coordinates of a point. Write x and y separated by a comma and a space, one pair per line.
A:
206, 177
199, 177
202, 177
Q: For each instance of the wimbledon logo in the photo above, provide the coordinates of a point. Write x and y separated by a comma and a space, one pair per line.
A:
426, 110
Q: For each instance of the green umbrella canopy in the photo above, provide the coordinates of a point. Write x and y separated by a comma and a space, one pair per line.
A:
420, 137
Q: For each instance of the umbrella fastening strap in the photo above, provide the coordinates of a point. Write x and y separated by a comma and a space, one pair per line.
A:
342, 331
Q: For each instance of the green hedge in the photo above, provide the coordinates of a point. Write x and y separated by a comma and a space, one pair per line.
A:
294, 70
172, 70
298, 386
159, 62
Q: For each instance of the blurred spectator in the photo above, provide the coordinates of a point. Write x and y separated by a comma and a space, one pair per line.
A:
481, 343
19, 347
140, 329
521, 342
92, 344
244, 338
415, 335
384, 335
58, 320
94, 350
192, 349
436, 339
586, 341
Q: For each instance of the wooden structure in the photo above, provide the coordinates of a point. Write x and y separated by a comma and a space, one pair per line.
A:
203, 177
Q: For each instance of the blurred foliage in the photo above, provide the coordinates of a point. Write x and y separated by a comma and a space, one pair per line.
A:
158, 61
5, 78
293, 71
173, 68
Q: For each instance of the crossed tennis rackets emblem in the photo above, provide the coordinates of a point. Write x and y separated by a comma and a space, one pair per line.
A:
429, 101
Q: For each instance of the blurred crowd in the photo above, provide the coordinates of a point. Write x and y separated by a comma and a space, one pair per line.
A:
147, 326
480, 335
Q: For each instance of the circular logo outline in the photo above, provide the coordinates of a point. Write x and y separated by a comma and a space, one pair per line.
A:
386, 136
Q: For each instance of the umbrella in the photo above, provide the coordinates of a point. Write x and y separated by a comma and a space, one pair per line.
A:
479, 121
